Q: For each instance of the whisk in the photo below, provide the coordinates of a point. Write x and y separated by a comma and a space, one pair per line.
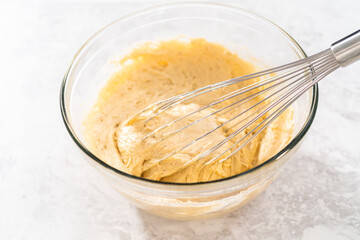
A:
274, 91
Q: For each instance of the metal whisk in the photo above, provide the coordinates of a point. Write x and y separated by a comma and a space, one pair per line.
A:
273, 91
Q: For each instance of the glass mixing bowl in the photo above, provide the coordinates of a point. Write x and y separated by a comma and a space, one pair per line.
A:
249, 35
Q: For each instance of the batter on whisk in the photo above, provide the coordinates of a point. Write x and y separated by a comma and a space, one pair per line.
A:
156, 71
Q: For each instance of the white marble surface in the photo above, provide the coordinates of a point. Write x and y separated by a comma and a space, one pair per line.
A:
47, 191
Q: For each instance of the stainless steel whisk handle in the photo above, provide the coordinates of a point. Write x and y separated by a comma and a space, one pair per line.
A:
347, 49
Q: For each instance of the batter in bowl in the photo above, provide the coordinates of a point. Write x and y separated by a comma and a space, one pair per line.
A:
156, 71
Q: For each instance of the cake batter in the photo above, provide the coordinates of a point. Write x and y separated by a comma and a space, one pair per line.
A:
156, 71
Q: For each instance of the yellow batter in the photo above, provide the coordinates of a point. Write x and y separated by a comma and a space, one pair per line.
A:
153, 72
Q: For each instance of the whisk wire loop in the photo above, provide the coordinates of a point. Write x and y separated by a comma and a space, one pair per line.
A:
269, 93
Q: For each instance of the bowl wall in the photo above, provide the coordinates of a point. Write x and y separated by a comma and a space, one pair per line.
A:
252, 37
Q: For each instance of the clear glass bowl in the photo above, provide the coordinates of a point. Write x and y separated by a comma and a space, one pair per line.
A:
251, 36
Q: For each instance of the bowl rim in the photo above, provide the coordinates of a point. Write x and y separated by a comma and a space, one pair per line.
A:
284, 150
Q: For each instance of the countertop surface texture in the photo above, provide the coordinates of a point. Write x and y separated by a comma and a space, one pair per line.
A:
48, 191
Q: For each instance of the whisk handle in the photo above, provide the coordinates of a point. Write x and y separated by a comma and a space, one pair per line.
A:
347, 49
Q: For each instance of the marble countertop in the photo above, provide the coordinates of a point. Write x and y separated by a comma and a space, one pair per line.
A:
48, 191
